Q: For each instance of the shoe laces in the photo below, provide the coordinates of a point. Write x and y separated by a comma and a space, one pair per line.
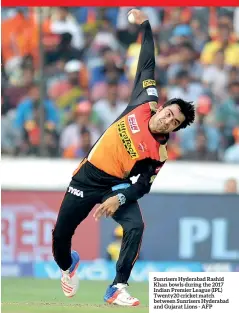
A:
66, 276
125, 293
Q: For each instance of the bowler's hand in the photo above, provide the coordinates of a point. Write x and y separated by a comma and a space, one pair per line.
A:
107, 208
139, 16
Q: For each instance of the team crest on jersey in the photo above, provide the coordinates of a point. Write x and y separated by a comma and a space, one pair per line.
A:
142, 146
148, 83
133, 124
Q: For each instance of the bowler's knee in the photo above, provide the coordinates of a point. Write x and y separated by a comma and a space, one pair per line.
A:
136, 229
60, 234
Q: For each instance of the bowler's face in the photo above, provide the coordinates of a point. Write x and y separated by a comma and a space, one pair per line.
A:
167, 119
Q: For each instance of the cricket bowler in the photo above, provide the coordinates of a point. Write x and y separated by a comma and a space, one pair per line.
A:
134, 144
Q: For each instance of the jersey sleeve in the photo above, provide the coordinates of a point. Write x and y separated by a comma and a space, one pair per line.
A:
143, 185
144, 89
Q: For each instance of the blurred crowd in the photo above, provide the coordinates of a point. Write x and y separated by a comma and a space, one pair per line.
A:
89, 62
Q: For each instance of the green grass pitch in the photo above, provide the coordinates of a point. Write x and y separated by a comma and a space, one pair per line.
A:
29, 295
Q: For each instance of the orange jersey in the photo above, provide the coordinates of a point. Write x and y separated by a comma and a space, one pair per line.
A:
125, 142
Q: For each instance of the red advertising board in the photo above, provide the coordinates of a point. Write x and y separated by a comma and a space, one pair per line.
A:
28, 218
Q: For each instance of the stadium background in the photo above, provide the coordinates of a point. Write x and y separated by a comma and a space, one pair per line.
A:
66, 75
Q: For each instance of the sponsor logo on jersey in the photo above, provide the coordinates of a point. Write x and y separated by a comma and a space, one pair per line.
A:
148, 83
152, 92
126, 140
75, 192
133, 124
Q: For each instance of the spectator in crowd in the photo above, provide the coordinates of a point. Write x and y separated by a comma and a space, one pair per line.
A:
163, 61
231, 154
181, 34
222, 42
230, 186
64, 22
110, 69
71, 136
55, 74
89, 56
233, 75
90, 15
173, 17
109, 108
18, 89
113, 249
105, 36
31, 105
199, 36
16, 27
28, 119
31, 138
203, 139
185, 88
23, 36
227, 115
174, 150
201, 151
64, 51
215, 77
226, 19
187, 63
9, 135
82, 148
69, 91
236, 21
50, 142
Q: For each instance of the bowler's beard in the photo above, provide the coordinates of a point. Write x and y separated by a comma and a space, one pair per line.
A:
158, 127
162, 127
160, 137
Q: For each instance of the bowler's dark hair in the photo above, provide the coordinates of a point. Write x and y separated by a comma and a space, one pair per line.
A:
187, 109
